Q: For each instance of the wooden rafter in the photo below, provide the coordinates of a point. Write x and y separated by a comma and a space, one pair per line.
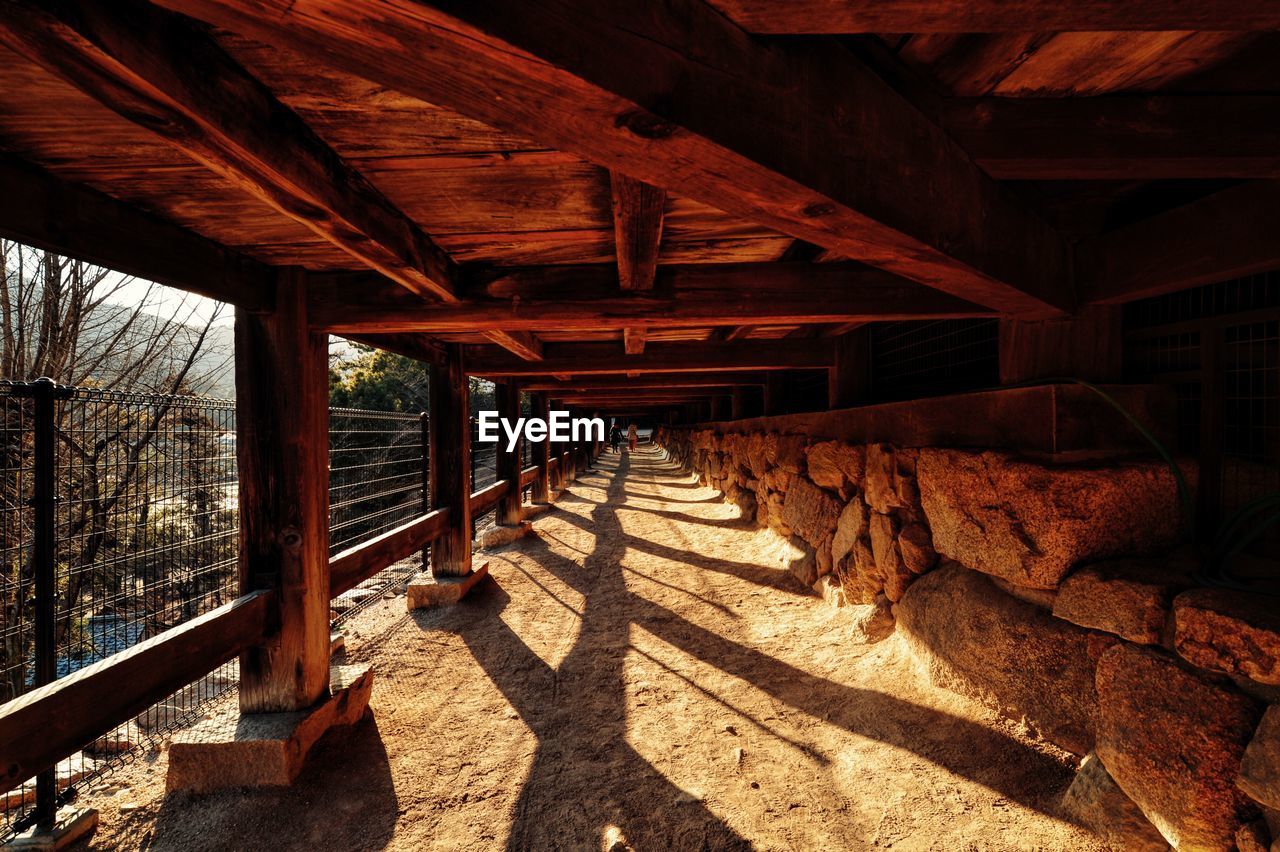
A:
655, 380
577, 359
1225, 235
558, 298
995, 16
1125, 137
162, 72
38, 209
752, 129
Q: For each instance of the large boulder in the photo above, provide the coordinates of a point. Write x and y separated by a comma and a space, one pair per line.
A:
1127, 597
1173, 741
1230, 632
1097, 802
1031, 523
977, 640
1260, 768
836, 465
810, 512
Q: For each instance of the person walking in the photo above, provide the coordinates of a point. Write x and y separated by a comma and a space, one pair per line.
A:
633, 435
615, 438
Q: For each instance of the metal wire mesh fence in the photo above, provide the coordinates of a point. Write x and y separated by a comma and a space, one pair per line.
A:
140, 508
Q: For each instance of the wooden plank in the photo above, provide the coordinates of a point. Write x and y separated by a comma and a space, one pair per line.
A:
530, 474
451, 461
814, 17
161, 71
1118, 137
282, 447
354, 565
578, 359
1089, 346
1226, 235
489, 496
584, 297
507, 464
46, 724
38, 209
755, 130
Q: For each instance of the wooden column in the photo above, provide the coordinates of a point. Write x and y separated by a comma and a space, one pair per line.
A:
849, 379
282, 443
1087, 346
738, 404
541, 492
508, 463
774, 387
451, 462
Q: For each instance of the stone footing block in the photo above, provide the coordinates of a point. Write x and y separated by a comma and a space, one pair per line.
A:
264, 749
426, 590
500, 536
70, 826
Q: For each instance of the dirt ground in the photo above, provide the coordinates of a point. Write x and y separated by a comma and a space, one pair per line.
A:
639, 675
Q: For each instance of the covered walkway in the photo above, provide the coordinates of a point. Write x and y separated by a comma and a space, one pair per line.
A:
644, 671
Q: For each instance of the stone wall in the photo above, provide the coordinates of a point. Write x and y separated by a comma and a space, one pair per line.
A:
1055, 592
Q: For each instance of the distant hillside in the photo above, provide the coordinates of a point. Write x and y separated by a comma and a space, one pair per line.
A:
212, 374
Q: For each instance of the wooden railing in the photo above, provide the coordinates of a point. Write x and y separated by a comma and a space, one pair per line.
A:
45, 725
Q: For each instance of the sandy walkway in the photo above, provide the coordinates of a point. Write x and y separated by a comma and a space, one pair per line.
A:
637, 674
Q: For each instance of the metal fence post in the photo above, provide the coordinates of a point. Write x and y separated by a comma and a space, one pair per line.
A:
425, 421
43, 501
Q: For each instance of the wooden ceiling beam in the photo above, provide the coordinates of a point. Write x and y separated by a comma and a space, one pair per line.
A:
814, 17
1225, 235
654, 380
1122, 137
41, 210
585, 298
162, 72
580, 359
680, 97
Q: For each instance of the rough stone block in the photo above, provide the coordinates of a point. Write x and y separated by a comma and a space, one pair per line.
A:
1253, 837
263, 749
1098, 803
915, 544
1128, 597
1229, 631
871, 622
893, 573
426, 590
1031, 523
850, 526
1173, 741
979, 641
880, 485
810, 512
499, 535
787, 452
1260, 767
836, 465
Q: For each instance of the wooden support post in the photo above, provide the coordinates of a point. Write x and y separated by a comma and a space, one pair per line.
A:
774, 386
451, 462
1085, 346
738, 403
282, 443
508, 463
849, 379
541, 492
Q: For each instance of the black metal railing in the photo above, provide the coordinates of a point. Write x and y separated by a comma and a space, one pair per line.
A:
120, 520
